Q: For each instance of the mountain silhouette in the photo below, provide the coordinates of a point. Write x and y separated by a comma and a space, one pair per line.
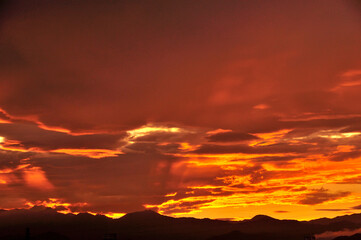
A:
357, 236
237, 235
262, 218
46, 223
146, 217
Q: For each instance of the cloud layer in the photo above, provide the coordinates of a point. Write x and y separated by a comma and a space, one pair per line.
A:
208, 108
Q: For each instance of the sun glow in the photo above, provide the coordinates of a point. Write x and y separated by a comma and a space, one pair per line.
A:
334, 134
147, 129
114, 215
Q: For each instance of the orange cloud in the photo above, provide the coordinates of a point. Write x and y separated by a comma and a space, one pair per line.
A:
36, 178
92, 153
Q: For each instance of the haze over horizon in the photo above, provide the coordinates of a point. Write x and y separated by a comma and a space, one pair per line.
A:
206, 109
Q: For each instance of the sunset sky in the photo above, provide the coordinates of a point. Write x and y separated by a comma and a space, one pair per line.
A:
220, 109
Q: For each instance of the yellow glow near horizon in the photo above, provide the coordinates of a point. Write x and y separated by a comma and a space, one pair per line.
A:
114, 215
55, 203
279, 196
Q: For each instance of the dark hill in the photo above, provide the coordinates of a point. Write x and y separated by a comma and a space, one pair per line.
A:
237, 235
262, 218
46, 223
353, 237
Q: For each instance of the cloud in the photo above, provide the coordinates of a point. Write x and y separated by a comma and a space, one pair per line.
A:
169, 137
322, 195
181, 207
332, 209
243, 148
358, 207
331, 235
231, 137
351, 180
221, 149
187, 69
342, 156
35, 177
281, 211
29, 135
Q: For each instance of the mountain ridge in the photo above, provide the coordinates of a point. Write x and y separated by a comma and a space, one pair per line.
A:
149, 225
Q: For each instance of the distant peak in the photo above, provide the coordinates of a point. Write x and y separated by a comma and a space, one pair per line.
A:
85, 215
148, 211
146, 214
41, 209
262, 218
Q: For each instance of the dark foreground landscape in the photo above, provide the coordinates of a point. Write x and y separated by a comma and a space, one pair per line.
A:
47, 224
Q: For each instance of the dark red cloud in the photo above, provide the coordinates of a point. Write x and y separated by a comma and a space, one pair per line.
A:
345, 155
30, 135
168, 62
332, 209
281, 211
231, 137
242, 148
322, 195
357, 207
